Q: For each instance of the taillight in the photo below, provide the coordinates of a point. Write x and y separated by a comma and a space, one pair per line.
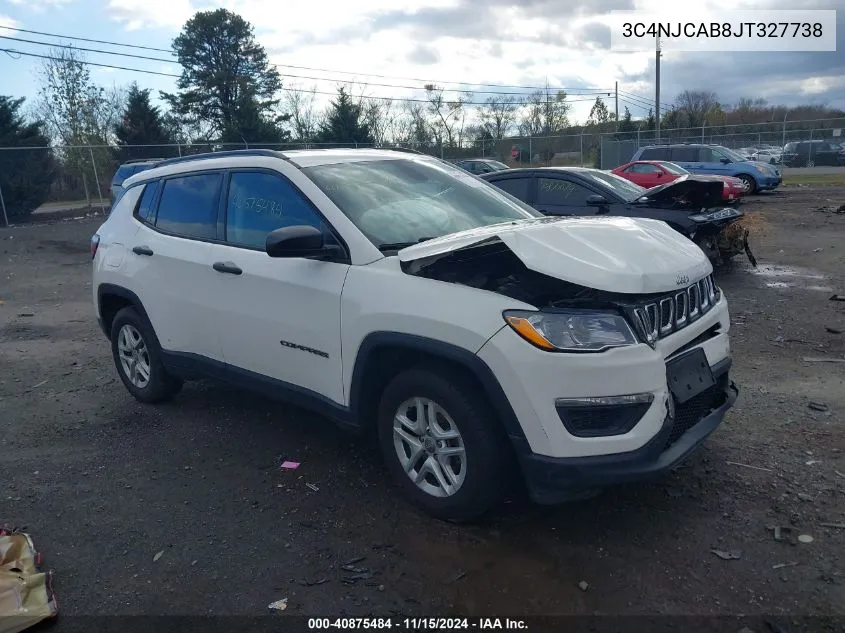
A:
95, 242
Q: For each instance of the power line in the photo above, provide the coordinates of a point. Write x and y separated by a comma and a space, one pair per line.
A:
647, 100
310, 68
11, 51
170, 61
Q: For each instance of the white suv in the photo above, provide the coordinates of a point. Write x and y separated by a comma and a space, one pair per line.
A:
394, 292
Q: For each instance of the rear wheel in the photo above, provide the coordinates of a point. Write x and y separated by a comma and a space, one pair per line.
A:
811, 163
442, 445
750, 183
137, 357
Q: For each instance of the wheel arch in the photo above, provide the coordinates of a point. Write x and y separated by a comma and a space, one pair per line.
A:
111, 299
382, 355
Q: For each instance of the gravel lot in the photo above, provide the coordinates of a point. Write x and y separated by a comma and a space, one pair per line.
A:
104, 483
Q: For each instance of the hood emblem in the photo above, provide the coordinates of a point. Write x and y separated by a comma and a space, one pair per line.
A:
681, 279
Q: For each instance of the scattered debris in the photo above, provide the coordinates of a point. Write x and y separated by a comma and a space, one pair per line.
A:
40, 384
158, 555
313, 487
783, 533
812, 462
279, 605
836, 472
26, 593
805, 538
838, 526
311, 583
357, 559
838, 298
26, 314
768, 470
820, 359
351, 580
818, 250
782, 565
583, 585
194, 562
727, 555
289, 465
833, 330
354, 569
458, 577
818, 406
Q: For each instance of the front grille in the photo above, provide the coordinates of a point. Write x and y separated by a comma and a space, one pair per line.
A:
690, 413
667, 314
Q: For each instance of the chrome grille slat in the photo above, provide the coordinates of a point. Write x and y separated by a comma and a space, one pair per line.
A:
660, 318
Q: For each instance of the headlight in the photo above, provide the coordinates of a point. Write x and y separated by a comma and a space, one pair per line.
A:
571, 331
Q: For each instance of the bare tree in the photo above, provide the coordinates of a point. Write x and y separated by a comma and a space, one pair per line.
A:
446, 115
300, 105
696, 104
498, 115
378, 114
546, 113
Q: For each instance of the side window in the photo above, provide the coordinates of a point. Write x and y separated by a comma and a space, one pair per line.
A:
517, 187
188, 206
557, 191
684, 154
259, 203
145, 205
655, 153
707, 155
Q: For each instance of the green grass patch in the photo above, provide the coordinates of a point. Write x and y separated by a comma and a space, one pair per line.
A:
814, 179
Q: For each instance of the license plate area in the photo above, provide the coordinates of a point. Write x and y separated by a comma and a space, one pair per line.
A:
689, 375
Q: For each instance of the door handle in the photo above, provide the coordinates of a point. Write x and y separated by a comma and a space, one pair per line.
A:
142, 250
227, 267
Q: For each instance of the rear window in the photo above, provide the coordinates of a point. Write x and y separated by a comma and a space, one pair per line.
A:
123, 172
655, 153
684, 154
145, 206
188, 206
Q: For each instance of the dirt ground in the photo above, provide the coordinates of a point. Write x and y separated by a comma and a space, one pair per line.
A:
105, 484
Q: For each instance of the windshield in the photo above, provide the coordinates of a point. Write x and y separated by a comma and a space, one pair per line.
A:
729, 153
497, 164
623, 188
675, 170
404, 201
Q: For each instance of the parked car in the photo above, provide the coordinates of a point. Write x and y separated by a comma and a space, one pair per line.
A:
129, 168
747, 152
715, 159
481, 165
812, 153
771, 156
650, 173
394, 292
692, 207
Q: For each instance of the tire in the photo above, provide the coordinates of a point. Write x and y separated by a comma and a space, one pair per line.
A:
750, 183
488, 466
130, 332
811, 163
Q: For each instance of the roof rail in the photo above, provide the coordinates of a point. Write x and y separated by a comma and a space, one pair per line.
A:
224, 154
141, 160
405, 149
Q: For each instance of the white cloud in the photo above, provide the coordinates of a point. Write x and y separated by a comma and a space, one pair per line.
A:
40, 6
5, 20
137, 14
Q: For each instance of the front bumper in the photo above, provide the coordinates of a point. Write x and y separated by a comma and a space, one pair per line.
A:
557, 479
767, 183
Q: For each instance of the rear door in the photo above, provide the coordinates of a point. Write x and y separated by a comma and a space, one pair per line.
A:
560, 194
520, 187
687, 157
281, 318
170, 261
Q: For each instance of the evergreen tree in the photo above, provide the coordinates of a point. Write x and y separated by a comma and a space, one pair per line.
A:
344, 124
142, 124
26, 174
625, 123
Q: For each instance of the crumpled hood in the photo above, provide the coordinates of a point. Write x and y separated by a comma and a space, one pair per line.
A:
614, 254
699, 193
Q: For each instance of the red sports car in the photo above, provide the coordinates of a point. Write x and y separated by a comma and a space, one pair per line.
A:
650, 173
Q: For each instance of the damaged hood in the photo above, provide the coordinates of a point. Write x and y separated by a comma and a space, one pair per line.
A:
697, 193
615, 254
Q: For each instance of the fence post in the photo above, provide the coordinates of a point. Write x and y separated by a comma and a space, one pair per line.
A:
581, 150
96, 177
3, 206
530, 151
179, 149
702, 131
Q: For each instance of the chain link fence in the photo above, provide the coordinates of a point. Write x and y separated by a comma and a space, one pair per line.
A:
82, 175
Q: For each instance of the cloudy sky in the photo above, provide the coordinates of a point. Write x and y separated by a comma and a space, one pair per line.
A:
410, 42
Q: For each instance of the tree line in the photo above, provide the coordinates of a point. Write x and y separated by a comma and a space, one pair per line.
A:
228, 93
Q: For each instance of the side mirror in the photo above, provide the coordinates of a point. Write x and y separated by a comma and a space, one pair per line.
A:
596, 201
660, 174
297, 241
725, 161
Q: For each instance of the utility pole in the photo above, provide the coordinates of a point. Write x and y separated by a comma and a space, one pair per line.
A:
616, 92
657, 93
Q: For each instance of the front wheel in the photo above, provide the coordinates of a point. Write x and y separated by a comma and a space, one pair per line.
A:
750, 183
442, 445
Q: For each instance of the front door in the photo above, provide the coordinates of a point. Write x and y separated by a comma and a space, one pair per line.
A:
559, 195
282, 315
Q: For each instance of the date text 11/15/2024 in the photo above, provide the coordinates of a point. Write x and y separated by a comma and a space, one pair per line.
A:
418, 624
